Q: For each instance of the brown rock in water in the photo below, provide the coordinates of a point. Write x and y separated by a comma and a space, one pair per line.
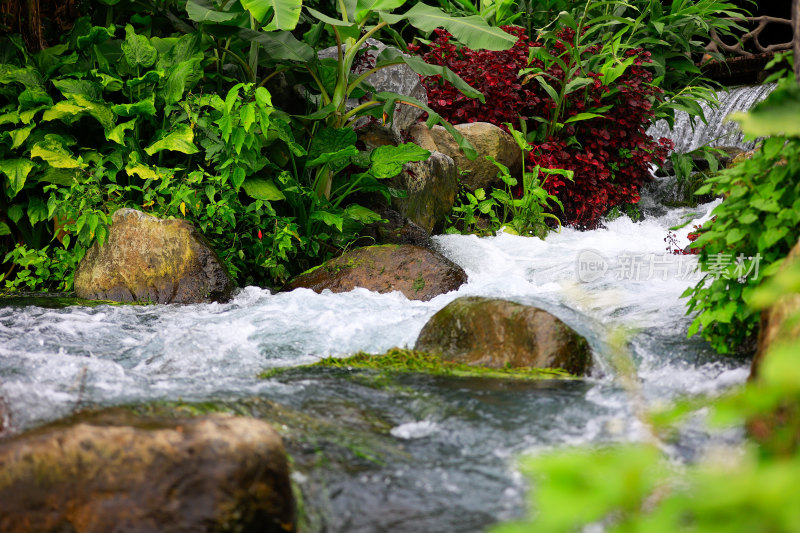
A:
486, 138
775, 325
119, 473
149, 259
497, 333
432, 186
417, 272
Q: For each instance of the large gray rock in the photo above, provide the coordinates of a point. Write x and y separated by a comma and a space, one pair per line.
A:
417, 272
115, 472
149, 259
486, 138
398, 79
498, 333
432, 186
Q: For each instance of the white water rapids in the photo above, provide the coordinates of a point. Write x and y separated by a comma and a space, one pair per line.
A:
53, 359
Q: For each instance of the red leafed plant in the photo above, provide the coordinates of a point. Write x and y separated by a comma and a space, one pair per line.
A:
586, 113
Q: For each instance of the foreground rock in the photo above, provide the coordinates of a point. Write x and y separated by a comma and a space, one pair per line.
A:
776, 326
215, 473
486, 138
432, 186
417, 272
149, 259
498, 333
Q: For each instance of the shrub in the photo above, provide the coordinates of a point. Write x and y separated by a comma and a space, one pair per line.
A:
591, 104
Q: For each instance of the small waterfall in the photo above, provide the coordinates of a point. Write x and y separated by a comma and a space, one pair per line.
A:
717, 131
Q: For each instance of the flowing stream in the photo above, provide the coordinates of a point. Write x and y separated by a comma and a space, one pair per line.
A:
416, 453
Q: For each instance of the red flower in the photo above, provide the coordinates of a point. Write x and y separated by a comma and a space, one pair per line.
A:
259, 235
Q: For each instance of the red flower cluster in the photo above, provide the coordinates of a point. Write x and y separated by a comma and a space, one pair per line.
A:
611, 155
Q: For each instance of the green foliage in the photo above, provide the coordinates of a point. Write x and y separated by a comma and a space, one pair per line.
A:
523, 208
759, 217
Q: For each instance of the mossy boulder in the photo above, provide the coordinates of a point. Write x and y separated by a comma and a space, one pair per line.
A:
497, 333
147, 259
417, 272
113, 471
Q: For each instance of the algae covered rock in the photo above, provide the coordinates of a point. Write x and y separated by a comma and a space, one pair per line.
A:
149, 259
497, 333
417, 272
116, 472
486, 138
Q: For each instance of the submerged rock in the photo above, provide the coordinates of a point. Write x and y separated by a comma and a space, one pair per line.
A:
486, 138
149, 259
432, 186
498, 333
116, 472
417, 272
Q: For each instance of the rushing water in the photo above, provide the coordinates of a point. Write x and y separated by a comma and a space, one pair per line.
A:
442, 449
719, 131
421, 453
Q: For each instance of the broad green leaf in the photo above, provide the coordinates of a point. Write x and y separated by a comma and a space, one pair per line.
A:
27, 76
137, 49
149, 77
577, 83
237, 178
262, 189
118, 133
16, 170
331, 140
582, 116
59, 176
27, 116
136, 168
285, 13
203, 11
331, 219
366, 7
179, 78
9, 118
361, 214
4, 229
329, 20
181, 139
65, 111
33, 97
37, 210
19, 135
279, 45
472, 31
70, 87
55, 154
144, 107
109, 83
329, 157
99, 111
388, 161
15, 213
96, 35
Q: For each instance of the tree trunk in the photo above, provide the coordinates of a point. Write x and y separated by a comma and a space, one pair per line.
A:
796, 37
